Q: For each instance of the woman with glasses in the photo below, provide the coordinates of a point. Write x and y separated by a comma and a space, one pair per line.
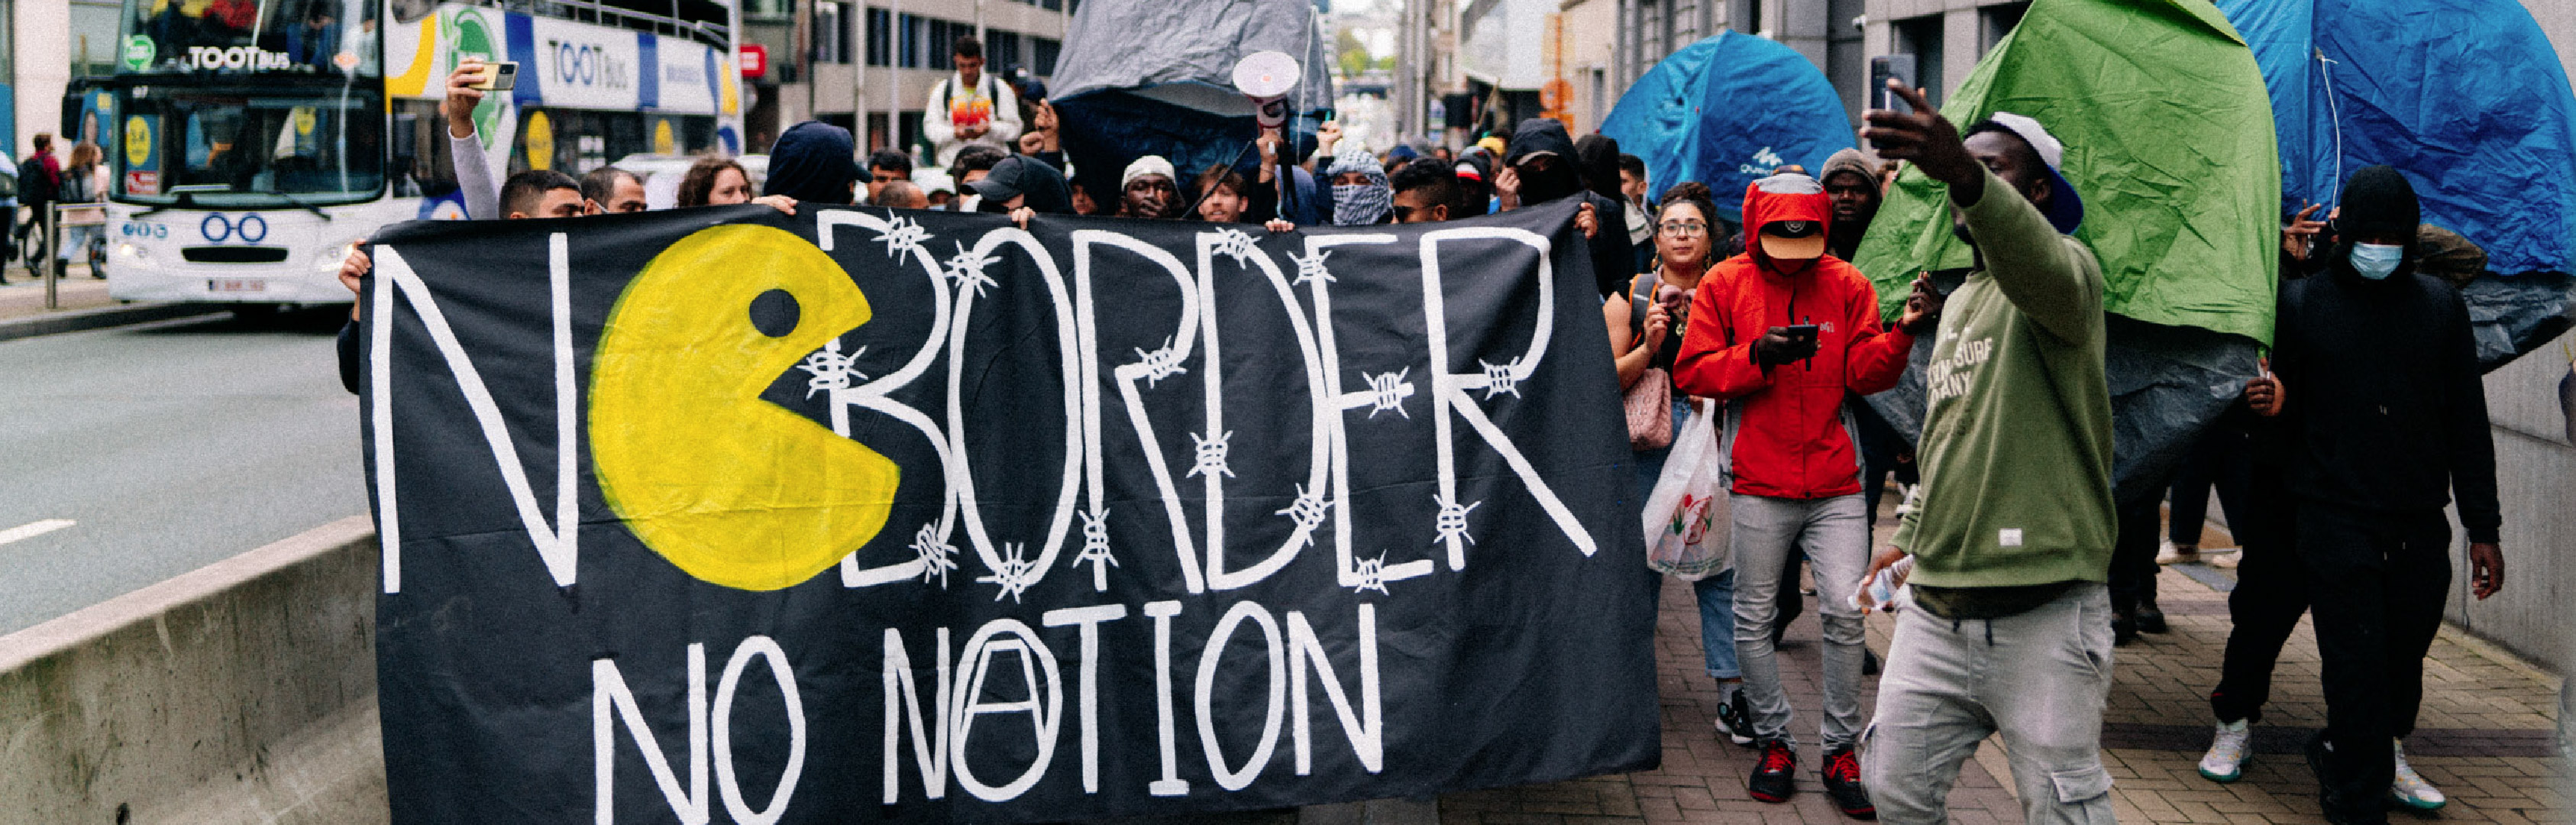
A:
1646, 332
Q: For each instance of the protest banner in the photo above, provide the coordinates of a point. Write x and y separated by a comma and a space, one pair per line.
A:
729, 516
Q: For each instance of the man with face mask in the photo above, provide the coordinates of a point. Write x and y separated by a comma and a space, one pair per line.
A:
1361, 195
1540, 167
1783, 333
2385, 420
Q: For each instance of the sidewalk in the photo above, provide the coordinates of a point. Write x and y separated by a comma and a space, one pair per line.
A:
24, 295
2484, 737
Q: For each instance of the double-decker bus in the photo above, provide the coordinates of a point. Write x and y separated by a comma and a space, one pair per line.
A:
253, 141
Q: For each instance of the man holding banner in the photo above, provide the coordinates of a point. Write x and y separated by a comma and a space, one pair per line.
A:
2006, 626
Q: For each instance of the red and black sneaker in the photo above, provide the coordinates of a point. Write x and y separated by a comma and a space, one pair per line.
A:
1775, 777
1842, 782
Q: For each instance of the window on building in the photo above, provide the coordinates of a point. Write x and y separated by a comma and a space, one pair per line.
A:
1042, 54
1051, 5
1993, 22
768, 9
880, 36
1002, 50
1751, 17
911, 35
943, 43
1921, 37
877, 136
93, 38
831, 32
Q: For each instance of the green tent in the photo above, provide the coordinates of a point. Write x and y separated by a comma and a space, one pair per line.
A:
2168, 135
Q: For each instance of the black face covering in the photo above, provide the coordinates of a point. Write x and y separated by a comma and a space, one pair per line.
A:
1541, 187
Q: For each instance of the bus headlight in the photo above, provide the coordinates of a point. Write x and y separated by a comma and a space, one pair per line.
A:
331, 257
130, 252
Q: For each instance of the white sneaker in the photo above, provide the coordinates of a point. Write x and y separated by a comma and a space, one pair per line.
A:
2225, 761
2169, 553
2410, 789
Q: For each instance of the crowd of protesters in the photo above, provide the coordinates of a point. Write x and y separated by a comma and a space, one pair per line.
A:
2013, 572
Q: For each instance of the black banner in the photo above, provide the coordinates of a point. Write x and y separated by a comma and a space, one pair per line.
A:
730, 516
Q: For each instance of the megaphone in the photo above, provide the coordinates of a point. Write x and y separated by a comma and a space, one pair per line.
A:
1267, 77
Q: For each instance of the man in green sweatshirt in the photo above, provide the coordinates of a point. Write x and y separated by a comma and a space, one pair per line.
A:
2006, 623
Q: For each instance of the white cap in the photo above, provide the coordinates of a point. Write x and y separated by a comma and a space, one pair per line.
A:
2066, 208
2050, 151
1147, 165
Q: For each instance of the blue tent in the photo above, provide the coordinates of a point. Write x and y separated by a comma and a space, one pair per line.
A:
2464, 96
1727, 110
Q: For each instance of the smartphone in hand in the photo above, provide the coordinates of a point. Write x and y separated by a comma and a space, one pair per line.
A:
499, 77
1898, 67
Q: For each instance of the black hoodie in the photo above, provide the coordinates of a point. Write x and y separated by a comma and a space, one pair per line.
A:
1611, 253
2385, 411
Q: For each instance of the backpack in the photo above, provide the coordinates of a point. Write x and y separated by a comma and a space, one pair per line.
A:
36, 188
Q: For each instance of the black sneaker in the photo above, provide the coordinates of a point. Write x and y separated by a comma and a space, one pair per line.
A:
1868, 662
2124, 626
2151, 619
1842, 782
1775, 777
1735, 720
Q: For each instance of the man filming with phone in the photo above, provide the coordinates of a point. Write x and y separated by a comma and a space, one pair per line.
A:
1785, 332
2005, 623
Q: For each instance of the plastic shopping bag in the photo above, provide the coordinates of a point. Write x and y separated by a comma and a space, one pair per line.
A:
1686, 516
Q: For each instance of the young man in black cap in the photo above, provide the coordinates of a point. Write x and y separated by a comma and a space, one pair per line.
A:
2386, 422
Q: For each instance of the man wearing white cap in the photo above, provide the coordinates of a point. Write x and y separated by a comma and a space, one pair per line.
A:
1146, 190
2004, 626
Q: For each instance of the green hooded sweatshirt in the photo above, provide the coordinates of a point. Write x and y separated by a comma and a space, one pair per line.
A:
2016, 449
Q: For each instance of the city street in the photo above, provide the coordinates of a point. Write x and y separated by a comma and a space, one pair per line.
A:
167, 446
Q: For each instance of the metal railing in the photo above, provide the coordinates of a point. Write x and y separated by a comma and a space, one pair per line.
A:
47, 256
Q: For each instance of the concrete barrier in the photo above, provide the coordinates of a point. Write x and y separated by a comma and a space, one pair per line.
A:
242, 692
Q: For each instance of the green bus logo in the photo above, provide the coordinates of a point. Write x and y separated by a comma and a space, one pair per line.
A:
138, 53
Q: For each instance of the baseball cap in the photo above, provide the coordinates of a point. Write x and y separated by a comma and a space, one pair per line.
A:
1791, 238
2065, 208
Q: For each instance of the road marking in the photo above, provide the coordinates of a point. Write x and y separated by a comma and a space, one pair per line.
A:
33, 529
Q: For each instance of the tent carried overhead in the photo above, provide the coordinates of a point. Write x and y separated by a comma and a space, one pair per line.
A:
2168, 137
1157, 78
1728, 110
2469, 100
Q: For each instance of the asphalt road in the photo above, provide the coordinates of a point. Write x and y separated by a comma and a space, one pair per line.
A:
167, 446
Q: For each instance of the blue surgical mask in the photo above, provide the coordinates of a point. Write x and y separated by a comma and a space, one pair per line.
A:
2375, 260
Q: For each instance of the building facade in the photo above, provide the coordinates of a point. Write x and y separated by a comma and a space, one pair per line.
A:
868, 65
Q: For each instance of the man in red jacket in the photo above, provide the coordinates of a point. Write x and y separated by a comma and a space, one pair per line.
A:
1781, 332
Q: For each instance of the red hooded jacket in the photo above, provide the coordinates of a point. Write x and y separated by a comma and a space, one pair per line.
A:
1790, 441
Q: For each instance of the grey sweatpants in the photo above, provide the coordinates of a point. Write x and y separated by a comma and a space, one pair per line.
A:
2039, 678
1833, 534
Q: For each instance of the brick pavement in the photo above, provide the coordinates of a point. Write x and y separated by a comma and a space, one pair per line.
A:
2485, 735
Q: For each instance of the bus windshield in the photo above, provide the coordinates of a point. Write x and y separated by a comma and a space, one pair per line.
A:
252, 147
335, 37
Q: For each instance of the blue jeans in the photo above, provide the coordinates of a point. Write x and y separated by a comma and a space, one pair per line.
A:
1716, 593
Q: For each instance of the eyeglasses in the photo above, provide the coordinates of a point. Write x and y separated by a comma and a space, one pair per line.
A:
1683, 229
1404, 214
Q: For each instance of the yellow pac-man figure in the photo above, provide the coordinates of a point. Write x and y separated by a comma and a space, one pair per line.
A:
734, 490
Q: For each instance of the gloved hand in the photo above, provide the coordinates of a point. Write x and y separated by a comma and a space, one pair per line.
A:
1778, 347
